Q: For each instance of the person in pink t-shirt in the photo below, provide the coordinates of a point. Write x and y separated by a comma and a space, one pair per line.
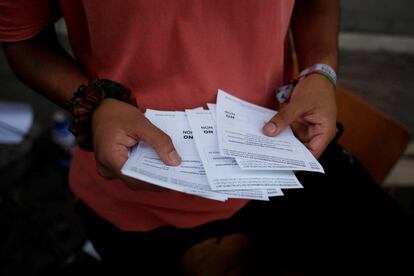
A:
173, 55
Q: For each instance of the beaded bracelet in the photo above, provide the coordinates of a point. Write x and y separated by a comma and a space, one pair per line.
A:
284, 92
86, 99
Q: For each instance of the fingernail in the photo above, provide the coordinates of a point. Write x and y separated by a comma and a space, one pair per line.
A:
174, 157
270, 128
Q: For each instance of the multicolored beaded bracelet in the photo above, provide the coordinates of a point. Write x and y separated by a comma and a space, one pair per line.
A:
86, 99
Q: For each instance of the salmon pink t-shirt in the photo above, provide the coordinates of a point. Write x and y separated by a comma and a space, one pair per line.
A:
173, 55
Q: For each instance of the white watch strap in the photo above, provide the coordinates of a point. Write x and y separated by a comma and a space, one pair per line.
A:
324, 69
284, 92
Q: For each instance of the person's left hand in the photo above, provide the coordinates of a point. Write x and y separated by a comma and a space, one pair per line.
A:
311, 112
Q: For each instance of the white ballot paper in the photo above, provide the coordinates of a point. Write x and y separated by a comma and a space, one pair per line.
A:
144, 164
223, 172
239, 131
253, 164
189, 177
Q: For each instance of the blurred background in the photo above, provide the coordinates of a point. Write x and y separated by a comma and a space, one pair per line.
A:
38, 227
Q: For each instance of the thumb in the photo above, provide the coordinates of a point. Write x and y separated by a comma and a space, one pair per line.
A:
161, 143
281, 120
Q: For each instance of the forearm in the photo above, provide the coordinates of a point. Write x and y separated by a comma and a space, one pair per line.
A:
44, 66
315, 25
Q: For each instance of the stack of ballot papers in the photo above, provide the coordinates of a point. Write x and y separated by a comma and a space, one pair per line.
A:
224, 153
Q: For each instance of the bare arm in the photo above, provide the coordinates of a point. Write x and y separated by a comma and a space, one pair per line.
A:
116, 126
315, 26
43, 65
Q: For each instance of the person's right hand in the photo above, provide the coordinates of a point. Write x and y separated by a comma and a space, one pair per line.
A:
116, 127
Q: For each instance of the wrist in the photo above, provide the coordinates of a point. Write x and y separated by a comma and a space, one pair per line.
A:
85, 102
283, 93
321, 69
318, 57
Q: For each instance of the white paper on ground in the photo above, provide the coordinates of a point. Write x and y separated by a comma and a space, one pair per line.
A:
223, 172
15, 121
239, 125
